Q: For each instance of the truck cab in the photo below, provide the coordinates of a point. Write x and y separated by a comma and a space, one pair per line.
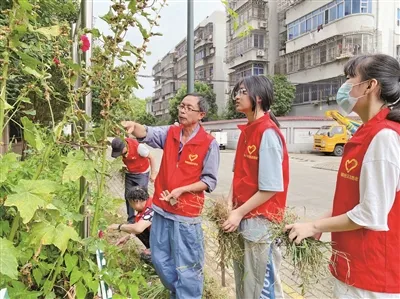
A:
331, 139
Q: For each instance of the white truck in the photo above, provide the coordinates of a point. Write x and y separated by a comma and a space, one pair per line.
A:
221, 137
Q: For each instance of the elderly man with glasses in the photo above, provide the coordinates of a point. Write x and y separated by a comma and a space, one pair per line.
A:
188, 168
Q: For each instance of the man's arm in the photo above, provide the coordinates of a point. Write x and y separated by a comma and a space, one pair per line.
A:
152, 136
209, 175
153, 168
134, 128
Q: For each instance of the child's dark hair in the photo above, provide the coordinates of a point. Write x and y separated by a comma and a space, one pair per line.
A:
137, 194
258, 86
384, 69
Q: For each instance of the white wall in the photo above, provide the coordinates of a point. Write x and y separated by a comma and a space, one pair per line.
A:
324, 71
298, 131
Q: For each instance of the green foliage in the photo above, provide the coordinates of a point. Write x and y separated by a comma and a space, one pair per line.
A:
284, 93
132, 109
201, 88
44, 253
230, 111
8, 259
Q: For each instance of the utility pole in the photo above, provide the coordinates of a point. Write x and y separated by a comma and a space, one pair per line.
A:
87, 22
190, 47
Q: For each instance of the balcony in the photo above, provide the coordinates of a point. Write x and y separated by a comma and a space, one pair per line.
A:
349, 24
202, 42
284, 5
252, 54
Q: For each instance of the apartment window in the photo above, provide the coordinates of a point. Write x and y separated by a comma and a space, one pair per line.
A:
398, 17
331, 12
315, 56
308, 59
340, 11
200, 54
201, 74
258, 41
258, 69
211, 71
356, 5
322, 54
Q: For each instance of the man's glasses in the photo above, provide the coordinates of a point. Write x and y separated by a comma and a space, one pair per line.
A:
187, 108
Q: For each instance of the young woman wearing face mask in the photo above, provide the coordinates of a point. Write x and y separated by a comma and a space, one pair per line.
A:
259, 189
365, 219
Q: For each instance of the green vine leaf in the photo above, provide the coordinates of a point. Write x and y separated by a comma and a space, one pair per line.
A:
31, 195
77, 166
132, 6
70, 262
75, 276
7, 163
8, 259
80, 290
59, 236
49, 32
31, 134
32, 72
28, 60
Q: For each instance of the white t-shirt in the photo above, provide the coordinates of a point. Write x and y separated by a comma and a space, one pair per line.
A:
144, 152
379, 182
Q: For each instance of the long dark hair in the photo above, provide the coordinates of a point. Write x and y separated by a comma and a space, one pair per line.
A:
386, 70
258, 86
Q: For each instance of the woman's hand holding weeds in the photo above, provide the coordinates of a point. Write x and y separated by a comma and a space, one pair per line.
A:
233, 221
300, 231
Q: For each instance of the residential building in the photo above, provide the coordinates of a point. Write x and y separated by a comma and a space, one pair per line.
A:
255, 52
170, 73
316, 38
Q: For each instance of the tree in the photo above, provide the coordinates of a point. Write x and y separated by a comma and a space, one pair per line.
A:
230, 112
284, 93
132, 109
199, 87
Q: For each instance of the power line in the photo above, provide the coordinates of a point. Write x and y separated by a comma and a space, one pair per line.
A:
227, 81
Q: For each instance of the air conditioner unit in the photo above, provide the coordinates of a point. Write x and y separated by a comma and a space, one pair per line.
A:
262, 25
210, 37
260, 53
212, 51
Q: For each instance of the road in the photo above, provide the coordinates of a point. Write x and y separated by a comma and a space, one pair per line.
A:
311, 189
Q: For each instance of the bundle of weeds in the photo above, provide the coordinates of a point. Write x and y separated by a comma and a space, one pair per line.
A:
228, 245
310, 259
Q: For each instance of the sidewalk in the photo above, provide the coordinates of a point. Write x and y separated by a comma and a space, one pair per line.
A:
290, 284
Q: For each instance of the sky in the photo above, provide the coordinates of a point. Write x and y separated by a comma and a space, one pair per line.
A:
173, 26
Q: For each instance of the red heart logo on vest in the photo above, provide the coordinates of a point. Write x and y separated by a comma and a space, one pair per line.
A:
251, 149
350, 165
193, 157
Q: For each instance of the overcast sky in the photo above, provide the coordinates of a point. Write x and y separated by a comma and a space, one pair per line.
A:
172, 26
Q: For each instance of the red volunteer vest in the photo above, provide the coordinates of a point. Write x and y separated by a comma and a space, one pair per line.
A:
139, 215
187, 170
374, 255
133, 161
245, 178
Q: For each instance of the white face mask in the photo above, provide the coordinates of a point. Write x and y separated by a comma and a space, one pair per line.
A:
345, 100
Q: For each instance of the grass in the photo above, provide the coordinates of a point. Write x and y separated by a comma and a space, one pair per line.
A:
228, 245
310, 259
